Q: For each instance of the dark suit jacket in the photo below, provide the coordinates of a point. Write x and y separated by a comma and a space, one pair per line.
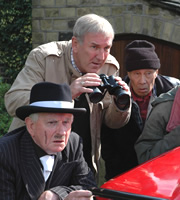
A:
21, 175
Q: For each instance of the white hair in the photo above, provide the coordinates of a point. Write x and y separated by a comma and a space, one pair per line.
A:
34, 116
92, 23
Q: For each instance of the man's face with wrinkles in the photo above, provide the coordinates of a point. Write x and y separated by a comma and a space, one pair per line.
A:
91, 54
50, 131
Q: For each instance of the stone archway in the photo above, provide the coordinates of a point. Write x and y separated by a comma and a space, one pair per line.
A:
52, 19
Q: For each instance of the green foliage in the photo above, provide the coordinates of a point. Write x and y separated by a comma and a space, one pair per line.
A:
15, 35
15, 45
5, 118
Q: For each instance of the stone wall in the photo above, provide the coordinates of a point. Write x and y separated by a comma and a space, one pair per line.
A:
54, 19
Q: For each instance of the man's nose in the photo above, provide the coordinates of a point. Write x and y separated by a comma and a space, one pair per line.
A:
101, 54
142, 79
60, 129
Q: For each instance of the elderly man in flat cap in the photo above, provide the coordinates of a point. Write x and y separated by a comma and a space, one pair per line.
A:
142, 65
44, 159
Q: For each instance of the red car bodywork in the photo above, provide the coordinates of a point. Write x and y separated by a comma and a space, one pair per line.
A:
158, 177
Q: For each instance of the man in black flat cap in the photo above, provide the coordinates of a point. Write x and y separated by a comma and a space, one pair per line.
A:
44, 159
142, 64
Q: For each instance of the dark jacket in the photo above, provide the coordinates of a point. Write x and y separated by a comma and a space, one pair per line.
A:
21, 176
118, 144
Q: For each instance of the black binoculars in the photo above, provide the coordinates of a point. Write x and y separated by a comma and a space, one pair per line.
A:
109, 84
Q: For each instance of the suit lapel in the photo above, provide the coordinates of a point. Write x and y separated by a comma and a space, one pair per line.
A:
31, 168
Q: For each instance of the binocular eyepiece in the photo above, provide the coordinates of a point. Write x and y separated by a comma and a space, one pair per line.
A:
109, 84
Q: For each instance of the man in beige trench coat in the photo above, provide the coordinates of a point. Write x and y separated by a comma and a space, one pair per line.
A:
77, 62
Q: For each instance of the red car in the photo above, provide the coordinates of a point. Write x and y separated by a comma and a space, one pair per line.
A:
156, 179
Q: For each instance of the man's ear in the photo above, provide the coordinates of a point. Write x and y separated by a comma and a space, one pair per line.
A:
75, 44
30, 125
157, 71
129, 74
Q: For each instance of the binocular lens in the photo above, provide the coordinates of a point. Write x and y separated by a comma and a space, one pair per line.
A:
96, 95
123, 99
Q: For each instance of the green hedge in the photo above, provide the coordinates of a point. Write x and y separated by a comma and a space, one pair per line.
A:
5, 119
15, 35
15, 45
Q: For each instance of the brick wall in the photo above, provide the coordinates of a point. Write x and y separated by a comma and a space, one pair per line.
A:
54, 19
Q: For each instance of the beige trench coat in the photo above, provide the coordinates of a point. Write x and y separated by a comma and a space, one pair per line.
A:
51, 62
